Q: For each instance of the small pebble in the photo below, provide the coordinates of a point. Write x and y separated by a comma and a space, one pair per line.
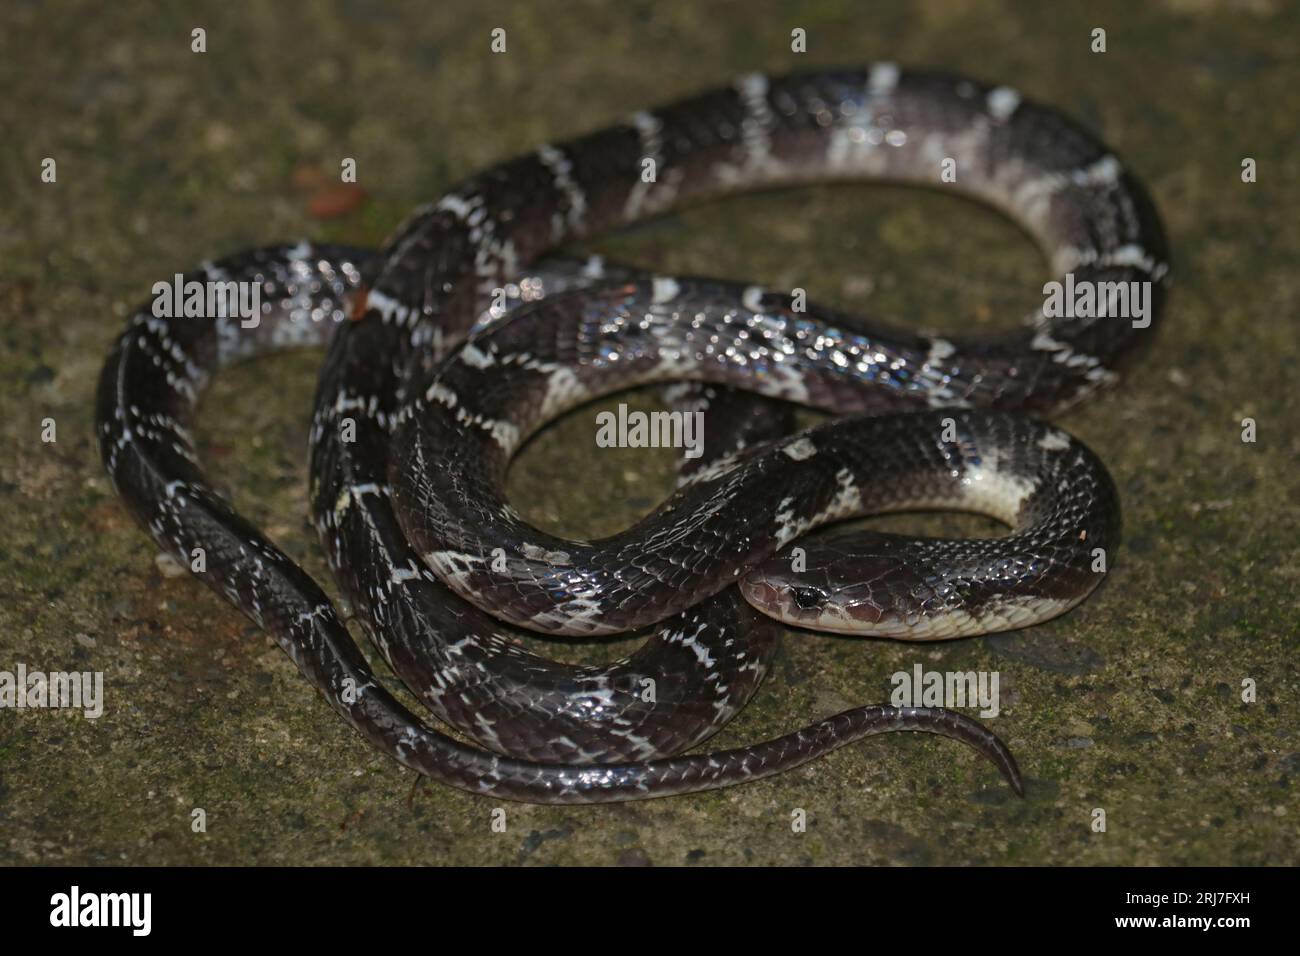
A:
168, 566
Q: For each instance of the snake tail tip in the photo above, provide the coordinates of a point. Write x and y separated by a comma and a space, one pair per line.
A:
1012, 772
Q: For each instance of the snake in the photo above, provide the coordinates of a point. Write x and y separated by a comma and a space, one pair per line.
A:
433, 379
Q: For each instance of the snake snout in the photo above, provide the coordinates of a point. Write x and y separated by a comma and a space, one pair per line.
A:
792, 601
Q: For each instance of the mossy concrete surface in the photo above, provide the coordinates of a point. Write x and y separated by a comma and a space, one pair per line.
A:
1132, 704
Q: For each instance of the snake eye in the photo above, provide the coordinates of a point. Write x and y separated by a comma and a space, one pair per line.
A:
807, 598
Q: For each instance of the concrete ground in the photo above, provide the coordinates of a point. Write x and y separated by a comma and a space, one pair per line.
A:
1131, 704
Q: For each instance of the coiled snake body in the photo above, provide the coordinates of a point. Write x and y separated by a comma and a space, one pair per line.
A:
435, 383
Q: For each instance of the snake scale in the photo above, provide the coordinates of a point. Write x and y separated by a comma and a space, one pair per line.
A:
459, 339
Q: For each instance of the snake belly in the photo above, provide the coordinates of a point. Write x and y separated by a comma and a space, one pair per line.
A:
433, 283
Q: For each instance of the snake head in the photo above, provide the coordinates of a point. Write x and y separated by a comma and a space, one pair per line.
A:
790, 601
854, 583
791, 598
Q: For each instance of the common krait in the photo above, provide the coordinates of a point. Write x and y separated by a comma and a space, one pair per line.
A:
433, 282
